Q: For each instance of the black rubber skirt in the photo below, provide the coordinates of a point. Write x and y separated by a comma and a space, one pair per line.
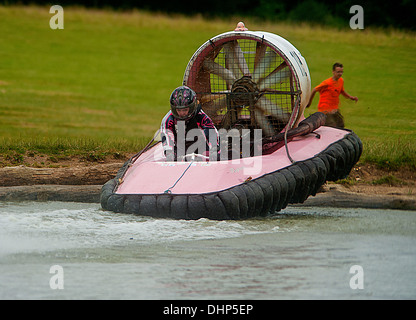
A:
262, 196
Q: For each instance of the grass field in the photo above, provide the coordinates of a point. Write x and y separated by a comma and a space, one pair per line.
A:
104, 81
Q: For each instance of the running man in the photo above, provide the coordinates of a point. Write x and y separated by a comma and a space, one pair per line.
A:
329, 91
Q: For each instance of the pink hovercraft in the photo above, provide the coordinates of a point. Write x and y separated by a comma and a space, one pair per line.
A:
247, 82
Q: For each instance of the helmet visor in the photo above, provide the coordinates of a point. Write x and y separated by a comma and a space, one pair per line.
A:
183, 112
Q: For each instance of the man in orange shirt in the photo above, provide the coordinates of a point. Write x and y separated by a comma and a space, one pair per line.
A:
329, 91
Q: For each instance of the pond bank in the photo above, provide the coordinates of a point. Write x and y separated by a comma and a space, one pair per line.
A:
82, 183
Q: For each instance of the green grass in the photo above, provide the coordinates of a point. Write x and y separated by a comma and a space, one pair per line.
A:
103, 83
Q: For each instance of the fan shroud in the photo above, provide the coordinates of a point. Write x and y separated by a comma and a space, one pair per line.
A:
253, 80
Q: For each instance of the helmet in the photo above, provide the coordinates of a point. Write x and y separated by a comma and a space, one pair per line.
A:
183, 97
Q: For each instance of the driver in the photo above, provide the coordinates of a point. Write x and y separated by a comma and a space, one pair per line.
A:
185, 114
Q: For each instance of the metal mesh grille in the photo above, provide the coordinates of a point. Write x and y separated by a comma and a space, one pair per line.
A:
246, 84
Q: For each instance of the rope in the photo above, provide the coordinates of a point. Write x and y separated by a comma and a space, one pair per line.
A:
287, 150
192, 155
169, 191
289, 126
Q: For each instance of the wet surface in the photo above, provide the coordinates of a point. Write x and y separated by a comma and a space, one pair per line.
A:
300, 253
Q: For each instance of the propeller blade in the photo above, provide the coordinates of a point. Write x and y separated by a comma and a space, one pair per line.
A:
276, 111
278, 75
220, 71
214, 105
260, 51
210, 97
263, 64
242, 63
263, 122
230, 60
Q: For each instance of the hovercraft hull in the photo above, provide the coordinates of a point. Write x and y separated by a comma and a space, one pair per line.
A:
232, 189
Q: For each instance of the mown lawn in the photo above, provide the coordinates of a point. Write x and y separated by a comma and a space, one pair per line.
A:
103, 82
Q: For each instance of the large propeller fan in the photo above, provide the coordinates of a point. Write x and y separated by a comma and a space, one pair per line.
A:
244, 82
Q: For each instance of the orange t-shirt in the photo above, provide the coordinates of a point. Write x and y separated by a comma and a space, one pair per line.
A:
329, 91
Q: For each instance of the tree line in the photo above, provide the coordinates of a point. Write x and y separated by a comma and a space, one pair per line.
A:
399, 14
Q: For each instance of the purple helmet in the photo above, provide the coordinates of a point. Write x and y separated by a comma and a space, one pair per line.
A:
183, 97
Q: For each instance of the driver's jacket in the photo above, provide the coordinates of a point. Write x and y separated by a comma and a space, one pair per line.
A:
173, 129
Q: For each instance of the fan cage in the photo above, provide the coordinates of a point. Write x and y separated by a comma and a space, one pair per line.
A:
244, 82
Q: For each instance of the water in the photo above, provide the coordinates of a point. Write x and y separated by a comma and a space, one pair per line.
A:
301, 253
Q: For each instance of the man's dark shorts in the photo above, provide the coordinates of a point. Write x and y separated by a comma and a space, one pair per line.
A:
335, 120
